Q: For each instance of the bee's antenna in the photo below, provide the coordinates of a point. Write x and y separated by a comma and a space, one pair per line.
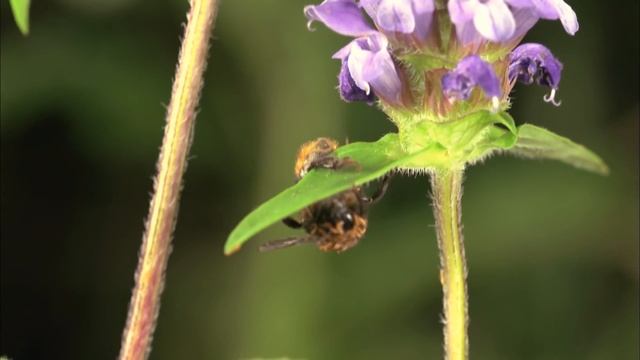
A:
285, 243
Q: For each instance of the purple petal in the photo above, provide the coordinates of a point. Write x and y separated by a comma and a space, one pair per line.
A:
396, 15
358, 60
370, 7
558, 9
525, 18
481, 73
493, 19
371, 67
469, 73
551, 10
476, 20
423, 13
456, 86
529, 63
393, 17
341, 16
343, 52
468, 34
349, 91
381, 74
460, 11
520, 3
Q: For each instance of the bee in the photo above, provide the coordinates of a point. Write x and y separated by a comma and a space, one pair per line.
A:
319, 153
336, 223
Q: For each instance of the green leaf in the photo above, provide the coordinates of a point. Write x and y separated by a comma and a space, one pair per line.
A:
20, 9
539, 143
375, 160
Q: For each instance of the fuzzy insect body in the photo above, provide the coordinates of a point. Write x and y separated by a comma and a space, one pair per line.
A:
337, 223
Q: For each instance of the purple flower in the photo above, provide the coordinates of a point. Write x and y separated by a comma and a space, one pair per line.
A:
469, 73
529, 63
349, 91
366, 61
406, 21
371, 67
506, 20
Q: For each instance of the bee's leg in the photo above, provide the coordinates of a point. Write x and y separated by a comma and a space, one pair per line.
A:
347, 162
384, 185
324, 161
292, 223
285, 243
332, 162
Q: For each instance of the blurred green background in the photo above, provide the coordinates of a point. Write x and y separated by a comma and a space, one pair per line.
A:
552, 251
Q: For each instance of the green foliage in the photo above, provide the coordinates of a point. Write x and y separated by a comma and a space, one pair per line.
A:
434, 145
20, 9
427, 146
538, 143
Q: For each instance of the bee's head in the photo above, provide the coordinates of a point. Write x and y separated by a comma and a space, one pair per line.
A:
324, 145
313, 152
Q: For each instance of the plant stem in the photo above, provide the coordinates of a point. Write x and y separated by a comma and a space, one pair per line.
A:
172, 162
447, 195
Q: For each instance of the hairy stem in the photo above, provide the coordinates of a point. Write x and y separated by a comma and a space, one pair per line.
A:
172, 162
447, 194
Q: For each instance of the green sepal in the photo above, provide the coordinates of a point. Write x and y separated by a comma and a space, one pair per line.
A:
463, 134
20, 9
538, 143
429, 61
493, 138
375, 159
465, 140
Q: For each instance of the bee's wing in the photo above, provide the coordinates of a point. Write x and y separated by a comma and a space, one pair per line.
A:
284, 243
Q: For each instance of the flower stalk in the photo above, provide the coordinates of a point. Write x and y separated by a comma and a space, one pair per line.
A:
172, 162
446, 186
